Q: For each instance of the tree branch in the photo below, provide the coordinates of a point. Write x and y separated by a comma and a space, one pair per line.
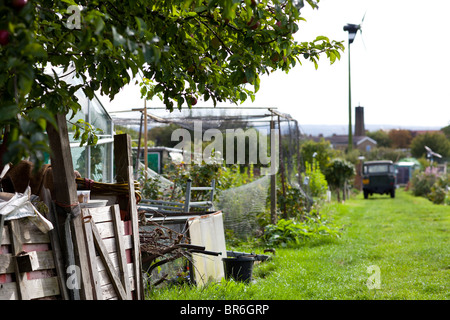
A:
216, 35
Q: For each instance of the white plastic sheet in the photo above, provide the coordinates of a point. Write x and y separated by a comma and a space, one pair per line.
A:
20, 206
207, 230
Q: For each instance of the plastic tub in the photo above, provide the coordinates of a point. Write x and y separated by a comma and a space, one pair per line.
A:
239, 268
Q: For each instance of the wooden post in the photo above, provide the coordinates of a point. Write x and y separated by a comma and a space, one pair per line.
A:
21, 277
124, 174
97, 292
58, 255
66, 203
2, 223
121, 257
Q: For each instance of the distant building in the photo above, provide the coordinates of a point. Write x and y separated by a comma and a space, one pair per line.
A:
360, 140
362, 143
415, 133
405, 168
157, 157
360, 129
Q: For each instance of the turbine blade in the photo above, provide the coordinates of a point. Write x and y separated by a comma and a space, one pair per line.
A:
364, 16
362, 38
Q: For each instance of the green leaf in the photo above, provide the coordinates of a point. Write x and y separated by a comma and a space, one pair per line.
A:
99, 25
42, 114
70, 2
84, 138
35, 49
322, 38
25, 81
118, 39
8, 112
77, 133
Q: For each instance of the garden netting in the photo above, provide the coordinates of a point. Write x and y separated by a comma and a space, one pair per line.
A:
243, 206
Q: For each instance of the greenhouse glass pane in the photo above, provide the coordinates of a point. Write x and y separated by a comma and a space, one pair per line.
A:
81, 114
99, 118
79, 157
100, 159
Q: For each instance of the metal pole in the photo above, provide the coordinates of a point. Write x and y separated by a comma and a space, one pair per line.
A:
350, 137
283, 181
145, 140
138, 156
273, 184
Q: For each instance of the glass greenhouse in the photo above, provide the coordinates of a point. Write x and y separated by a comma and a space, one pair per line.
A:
93, 162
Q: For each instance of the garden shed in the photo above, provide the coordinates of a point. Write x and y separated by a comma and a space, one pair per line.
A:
157, 157
405, 168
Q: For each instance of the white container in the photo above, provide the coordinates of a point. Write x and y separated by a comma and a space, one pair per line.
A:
94, 203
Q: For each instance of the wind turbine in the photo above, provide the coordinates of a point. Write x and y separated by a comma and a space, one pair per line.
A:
352, 30
431, 154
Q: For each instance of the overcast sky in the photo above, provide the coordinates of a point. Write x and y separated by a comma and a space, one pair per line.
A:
400, 67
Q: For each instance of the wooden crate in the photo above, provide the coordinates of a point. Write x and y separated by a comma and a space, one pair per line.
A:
27, 264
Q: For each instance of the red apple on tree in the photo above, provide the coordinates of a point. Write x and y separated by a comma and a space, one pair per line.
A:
215, 43
19, 4
253, 23
4, 37
275, 57
192, 100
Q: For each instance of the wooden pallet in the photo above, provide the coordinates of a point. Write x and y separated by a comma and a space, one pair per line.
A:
27, 264
110, 245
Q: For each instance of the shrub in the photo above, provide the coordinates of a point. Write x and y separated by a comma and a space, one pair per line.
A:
151, 188
337, 173
294, 202
422, 182
290, 232
439, 190
318, 185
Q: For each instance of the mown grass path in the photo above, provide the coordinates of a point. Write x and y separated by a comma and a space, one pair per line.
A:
406, 239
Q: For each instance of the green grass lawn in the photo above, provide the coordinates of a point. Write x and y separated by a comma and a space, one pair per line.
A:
407, 239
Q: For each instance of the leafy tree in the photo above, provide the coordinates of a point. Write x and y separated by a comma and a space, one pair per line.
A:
446, 131
124, 129
162, 135
337, 173
437, 141
188, 49
400, 138
322, 149
381, 137
385, 154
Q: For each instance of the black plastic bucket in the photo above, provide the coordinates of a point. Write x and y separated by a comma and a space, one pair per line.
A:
239, 268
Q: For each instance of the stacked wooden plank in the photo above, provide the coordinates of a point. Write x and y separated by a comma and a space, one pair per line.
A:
27, 264
104, 245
